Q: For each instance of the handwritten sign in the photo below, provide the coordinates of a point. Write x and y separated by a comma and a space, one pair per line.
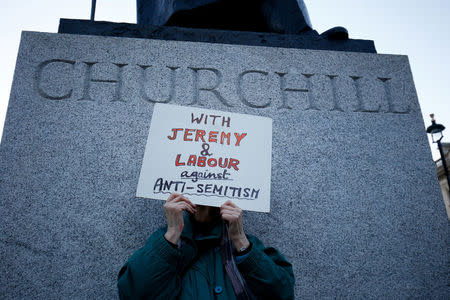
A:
209, 156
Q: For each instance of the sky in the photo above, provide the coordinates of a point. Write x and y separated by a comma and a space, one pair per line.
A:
419, 29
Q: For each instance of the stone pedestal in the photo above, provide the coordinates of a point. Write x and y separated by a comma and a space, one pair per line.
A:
355, 203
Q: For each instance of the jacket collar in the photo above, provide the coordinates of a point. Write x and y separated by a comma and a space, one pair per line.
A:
190, 232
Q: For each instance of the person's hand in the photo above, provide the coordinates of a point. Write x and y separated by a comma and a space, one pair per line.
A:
233, 214
173, 209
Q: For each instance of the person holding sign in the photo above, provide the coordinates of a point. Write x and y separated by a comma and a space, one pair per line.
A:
205, 255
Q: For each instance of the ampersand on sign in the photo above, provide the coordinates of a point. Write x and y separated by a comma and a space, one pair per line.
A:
205, 152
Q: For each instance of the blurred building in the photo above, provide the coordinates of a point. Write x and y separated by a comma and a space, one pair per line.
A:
442, 178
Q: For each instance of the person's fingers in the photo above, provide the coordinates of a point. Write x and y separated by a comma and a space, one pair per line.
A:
227, 203
230, 214
230, 203
230, 217
181, 198
188, 207
178, 198
175, 209
173, 196
227, 216
188, 202
182, 205
231, 210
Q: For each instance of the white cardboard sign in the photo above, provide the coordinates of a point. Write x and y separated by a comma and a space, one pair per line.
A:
209, 156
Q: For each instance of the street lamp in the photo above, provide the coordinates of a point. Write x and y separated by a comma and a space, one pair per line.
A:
436, 135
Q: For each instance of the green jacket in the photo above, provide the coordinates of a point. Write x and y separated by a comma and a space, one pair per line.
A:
195, 270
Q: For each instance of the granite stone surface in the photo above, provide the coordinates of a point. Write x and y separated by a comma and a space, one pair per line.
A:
355, 203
